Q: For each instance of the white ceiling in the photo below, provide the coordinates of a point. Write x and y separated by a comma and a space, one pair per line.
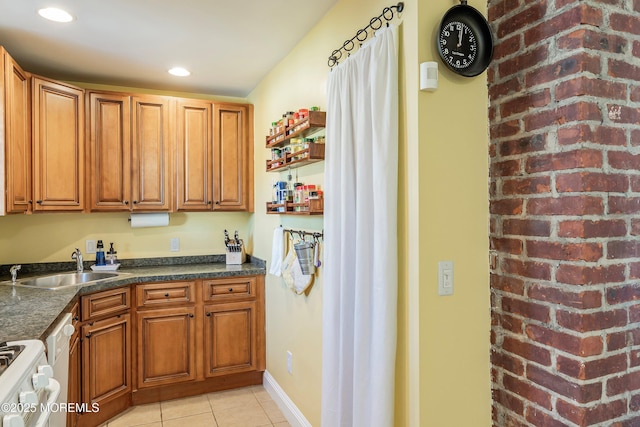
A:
228, 46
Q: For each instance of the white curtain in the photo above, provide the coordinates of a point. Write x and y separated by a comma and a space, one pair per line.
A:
360, 276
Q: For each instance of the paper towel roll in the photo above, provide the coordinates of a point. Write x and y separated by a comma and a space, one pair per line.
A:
149, 220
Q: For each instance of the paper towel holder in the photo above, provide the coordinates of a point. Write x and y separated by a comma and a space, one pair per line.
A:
149, 219
429, 76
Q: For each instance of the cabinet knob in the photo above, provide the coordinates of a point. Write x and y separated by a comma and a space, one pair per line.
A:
208, 314
88, 335
30, 202
230, 289
126, 202
76, 318
135, 202
166, 295
209, 202
191, 315
217, 202
39, 202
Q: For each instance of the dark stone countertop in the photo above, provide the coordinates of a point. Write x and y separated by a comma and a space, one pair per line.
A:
28, 313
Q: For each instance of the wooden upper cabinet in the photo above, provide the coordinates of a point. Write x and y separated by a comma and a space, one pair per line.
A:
194, 145
17, 136
58, 146
109, 171
151, 153
233, 157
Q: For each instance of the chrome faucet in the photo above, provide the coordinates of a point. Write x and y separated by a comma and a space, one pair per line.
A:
14, 272
77, 256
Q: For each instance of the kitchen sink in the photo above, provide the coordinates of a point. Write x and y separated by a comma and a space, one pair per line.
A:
63, 280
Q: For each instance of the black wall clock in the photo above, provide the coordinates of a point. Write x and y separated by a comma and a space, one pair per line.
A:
465, 43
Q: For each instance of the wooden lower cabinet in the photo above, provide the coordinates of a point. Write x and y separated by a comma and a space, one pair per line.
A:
75, 386
166, 346
230, 338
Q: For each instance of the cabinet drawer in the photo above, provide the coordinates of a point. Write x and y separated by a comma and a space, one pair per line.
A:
154, 294
233, 288
106, 302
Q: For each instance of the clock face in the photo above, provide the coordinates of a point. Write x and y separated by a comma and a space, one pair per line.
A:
458, 45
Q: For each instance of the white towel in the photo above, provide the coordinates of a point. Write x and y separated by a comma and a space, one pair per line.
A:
277, 252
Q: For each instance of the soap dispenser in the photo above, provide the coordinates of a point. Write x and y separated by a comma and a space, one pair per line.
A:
100, 260
112, 258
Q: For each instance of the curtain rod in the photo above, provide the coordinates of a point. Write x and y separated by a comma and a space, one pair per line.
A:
301, 233
375, 23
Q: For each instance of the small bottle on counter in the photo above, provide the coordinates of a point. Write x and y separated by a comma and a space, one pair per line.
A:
112, 257
100, 259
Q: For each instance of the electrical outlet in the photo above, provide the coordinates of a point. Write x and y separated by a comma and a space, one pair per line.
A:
290, 362
90, 246
174, 244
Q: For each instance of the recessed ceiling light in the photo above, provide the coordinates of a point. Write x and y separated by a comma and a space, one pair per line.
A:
179, 71
55, 14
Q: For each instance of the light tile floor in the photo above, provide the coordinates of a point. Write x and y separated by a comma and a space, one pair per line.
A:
243, 407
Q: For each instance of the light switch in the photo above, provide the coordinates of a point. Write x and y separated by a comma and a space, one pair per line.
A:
445, 278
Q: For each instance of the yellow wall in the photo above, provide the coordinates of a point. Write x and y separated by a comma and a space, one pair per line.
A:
443, 342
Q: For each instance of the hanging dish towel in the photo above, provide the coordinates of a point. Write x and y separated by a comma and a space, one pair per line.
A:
292, 273
277, 252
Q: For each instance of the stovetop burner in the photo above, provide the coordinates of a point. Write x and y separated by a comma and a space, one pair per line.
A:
8, 354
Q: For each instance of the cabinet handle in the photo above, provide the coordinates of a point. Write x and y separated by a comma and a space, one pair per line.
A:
209, 202
191, 315
39, 202
30, 202
166, 295
217, 202
230, 289
91, 323
208, 314
76, 318
135, 202
126, 202
88, 335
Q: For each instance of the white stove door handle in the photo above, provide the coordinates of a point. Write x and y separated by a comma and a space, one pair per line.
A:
54, 391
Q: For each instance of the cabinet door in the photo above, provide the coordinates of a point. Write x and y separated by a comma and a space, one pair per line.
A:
166, 346
230, 341
58, 146
194, 184
106, 356
109, 174
75, 390
233, 157
150, 154
17, 137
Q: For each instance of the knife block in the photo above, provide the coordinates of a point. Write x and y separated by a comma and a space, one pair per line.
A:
236, 258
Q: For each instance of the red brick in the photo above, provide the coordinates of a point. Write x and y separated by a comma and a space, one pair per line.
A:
623, 160
508, 400
552, 294
524, 18
634, 405
618, 113
581, 133
506, 168
583, 322
527, 227
525, 309
506, 322
523, 61
622, 249
507, 284
588, 416
526, 102
589, 228
506, 207
573, 65
539, 418
591, 181
634, 313
506, 47
586, 346
527, 350
527, 391
501, 8
550, 27
512, 246
576, 112
623, 383
507, 87
635, 227
586, 38
564, 251
504, 129
536, 185
508, 362
523, 145
593, 368
626, 23
528, 269
624, 205
564, 160
567, 205
622, 294
634, 182
616, 341
583, 275
634, 358
584, 86
580, 393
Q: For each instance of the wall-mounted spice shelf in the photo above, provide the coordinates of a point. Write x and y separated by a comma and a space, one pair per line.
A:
307, 126
312, 207
313, 154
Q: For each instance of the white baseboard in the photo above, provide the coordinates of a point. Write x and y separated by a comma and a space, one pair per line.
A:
286, 405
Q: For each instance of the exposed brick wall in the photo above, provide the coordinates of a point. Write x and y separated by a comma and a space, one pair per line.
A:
564, 115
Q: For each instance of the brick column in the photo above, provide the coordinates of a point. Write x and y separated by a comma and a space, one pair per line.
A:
565, 212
